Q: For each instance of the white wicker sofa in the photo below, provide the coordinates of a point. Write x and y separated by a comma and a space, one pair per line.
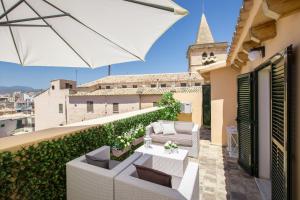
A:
186, 136
89, 182
129, 187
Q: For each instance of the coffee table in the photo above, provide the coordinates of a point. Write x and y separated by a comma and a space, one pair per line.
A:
171, 163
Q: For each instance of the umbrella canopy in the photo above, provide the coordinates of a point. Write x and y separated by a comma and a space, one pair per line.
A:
82, 33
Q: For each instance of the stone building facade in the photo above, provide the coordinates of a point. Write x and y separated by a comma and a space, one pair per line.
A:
65, 102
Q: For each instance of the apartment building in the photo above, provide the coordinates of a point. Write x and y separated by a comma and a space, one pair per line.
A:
65, 102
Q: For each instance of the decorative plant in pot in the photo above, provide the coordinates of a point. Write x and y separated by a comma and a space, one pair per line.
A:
138, 135
170, 147
122, 145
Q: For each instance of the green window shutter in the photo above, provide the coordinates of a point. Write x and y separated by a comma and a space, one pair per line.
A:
280, 127
244, 119
206, 105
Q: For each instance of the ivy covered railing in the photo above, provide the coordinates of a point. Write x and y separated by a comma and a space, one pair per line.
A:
38, 171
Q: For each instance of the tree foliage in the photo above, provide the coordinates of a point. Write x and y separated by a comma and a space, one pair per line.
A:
171, 104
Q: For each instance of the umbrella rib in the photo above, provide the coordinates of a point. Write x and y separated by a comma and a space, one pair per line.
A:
106, 38
58, 35
24, 25
11, 8
11, 33
165, 8
33, 19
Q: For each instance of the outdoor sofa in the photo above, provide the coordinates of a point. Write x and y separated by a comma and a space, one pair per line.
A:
186, 135
89, 182
129, 187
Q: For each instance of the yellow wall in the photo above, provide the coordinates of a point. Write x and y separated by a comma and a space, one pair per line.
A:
196, 99
223, 103
287, 33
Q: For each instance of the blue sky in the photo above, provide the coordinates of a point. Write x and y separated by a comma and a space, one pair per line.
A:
167, 55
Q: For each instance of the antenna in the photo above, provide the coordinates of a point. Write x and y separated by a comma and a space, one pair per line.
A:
203, 8
76, 76
109, 70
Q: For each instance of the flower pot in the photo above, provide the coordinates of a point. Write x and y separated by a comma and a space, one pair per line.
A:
137, 141
117, 153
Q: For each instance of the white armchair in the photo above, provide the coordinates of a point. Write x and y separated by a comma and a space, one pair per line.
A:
129, 187
86, 182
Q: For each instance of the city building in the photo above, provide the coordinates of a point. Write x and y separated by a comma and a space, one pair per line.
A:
65, 102
16, 124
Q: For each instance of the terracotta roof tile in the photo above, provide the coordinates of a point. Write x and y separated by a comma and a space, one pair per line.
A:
144, 78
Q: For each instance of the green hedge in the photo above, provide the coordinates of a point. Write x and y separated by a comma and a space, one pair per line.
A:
38, 172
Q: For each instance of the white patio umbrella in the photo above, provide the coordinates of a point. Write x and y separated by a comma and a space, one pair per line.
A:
82, 33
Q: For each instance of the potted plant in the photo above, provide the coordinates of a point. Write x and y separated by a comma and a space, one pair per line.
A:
121, 145
170, 147
138, 135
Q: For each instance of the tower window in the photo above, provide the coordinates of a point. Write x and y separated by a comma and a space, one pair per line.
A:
212, 54
204, 55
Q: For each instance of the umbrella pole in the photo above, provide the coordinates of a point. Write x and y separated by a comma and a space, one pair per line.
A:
109, 70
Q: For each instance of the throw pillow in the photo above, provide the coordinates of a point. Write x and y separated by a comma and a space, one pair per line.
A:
157, 128
184, 127
168, 129
154, 176
92, 160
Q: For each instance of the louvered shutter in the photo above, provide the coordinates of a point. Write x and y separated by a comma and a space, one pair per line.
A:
244, 119
280, 127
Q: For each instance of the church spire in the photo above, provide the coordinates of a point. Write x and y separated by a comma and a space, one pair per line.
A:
204, 33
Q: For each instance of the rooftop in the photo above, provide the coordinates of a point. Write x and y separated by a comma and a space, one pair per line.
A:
204, 32
140, 78
134, 91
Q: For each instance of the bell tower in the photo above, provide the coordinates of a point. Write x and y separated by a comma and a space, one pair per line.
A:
205, 51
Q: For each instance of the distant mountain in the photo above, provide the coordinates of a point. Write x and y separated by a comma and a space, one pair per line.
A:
11, 89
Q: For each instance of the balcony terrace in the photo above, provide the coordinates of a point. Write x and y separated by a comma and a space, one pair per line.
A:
33, 165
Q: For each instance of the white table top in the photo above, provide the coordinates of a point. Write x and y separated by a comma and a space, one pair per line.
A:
157, 150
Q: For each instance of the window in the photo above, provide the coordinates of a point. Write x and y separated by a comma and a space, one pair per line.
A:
204, 55
100, 87
163, 85
124, 86
134, 86
155, 104
115, 108
107, 87
2, 125
212, 54
197, 84
182, 84
153, 85
90, 106
53, 87
60, 108
68, 86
